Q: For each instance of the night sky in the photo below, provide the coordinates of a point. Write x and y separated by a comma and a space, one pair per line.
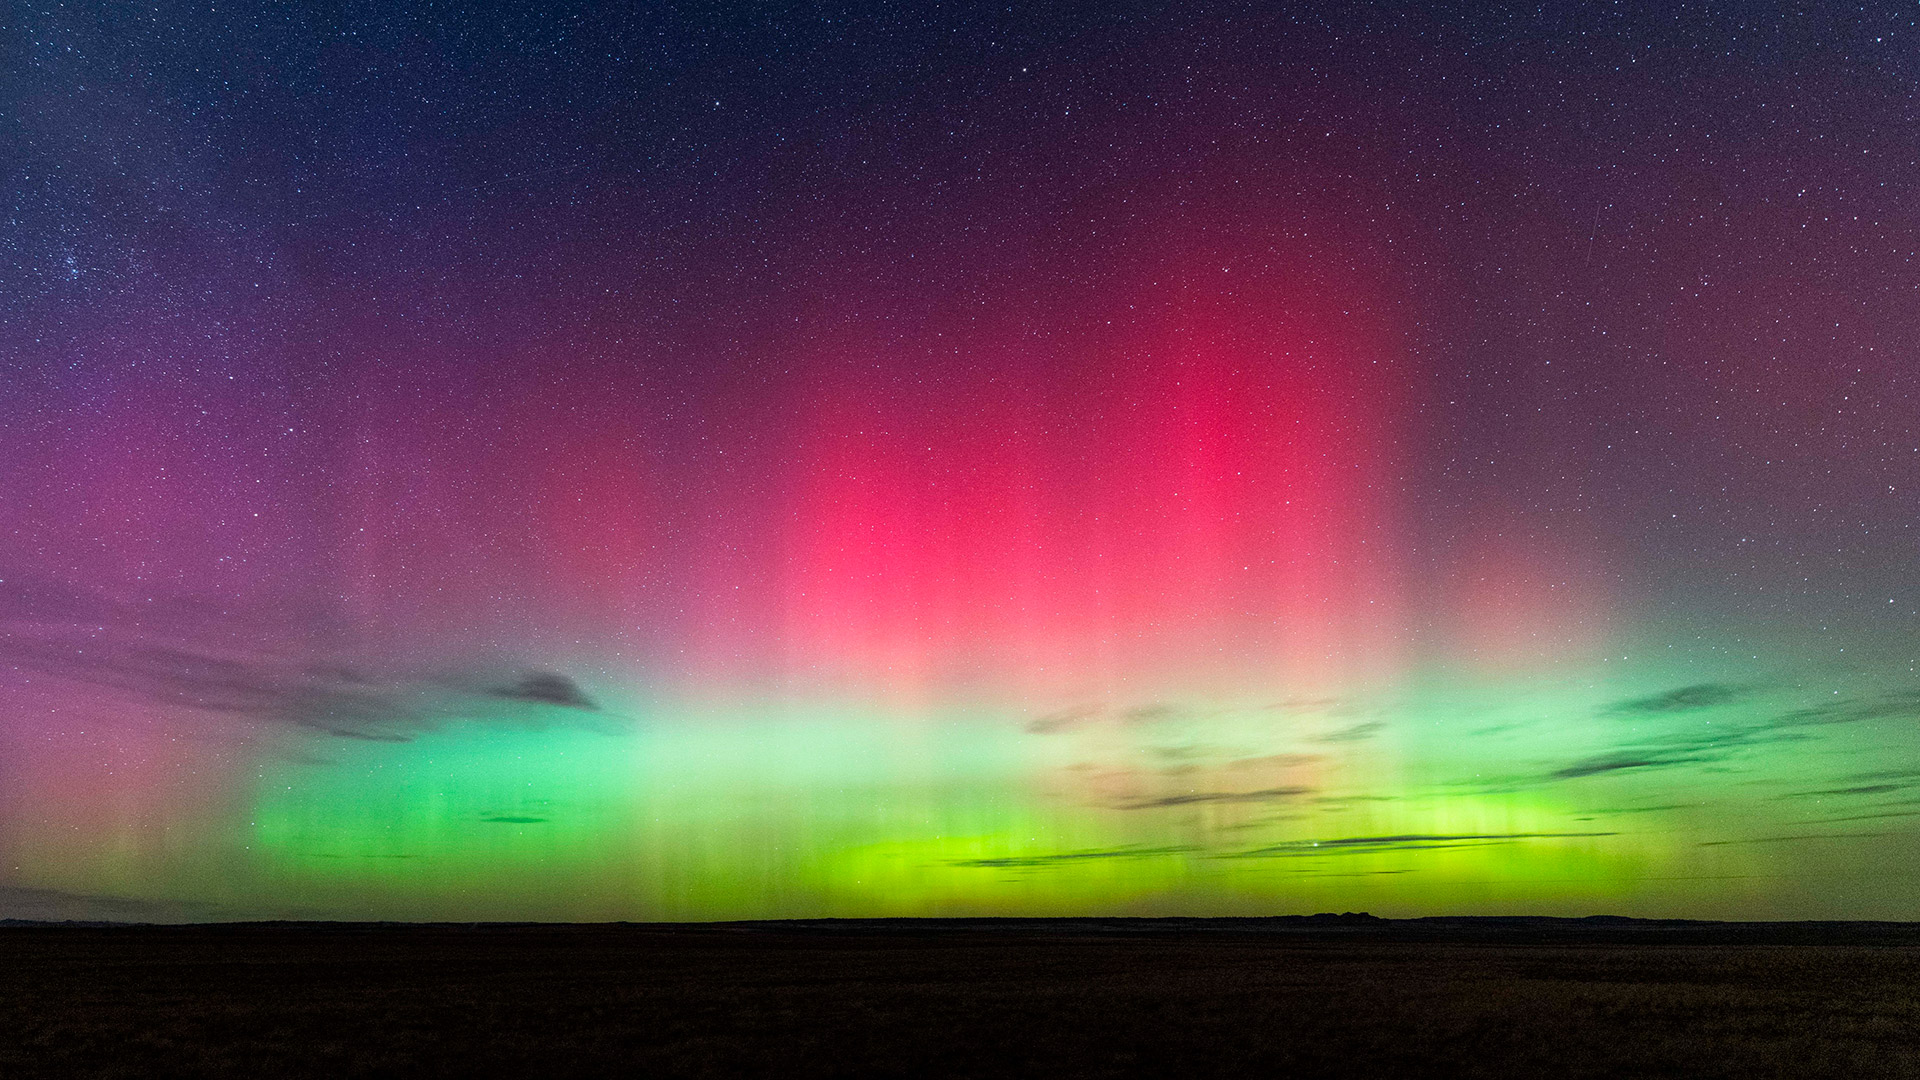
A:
552, 461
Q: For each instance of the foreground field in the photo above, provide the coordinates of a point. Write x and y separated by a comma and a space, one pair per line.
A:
1108, 999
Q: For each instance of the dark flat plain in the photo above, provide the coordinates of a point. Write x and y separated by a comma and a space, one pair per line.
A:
1057, 998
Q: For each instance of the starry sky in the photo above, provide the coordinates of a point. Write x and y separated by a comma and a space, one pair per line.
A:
691, 461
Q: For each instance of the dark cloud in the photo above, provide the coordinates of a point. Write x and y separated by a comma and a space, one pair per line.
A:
1596, 766
1682, 699
1358, 845
1201, 757
1063, 719
266, 688
1356, 733
1865, 817
546, 688
1710, 742
197, 658
54, 905
1862, 789
1885, 774
1070, 857
363, 736
347, 706
1323, 705
1902, 706
173, 674
1078, 715
1795, 839
1274, 761
1354, 873
1264, 795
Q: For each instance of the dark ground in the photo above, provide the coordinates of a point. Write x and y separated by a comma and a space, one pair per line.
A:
1325, 997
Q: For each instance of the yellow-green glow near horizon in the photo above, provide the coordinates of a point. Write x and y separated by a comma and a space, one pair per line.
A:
1554, 797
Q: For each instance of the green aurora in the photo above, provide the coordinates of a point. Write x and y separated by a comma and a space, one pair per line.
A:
1605, 793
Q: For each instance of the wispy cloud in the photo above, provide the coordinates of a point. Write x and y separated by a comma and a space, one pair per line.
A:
1322, 705
54, 905
1884, 774
1063, 719
1363, 845
1854, 710
201, 660
1610, 763
1680, 700
1643, 809
1357, 733
1068, 858
1154, 712
1710, 742
1865, 817
1263, 795
1795, 839
545, 688
1862, 789
1344, 799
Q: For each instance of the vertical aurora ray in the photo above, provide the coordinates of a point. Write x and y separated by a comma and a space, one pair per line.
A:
1253, 482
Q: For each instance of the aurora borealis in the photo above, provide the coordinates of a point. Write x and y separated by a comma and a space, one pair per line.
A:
564, 462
